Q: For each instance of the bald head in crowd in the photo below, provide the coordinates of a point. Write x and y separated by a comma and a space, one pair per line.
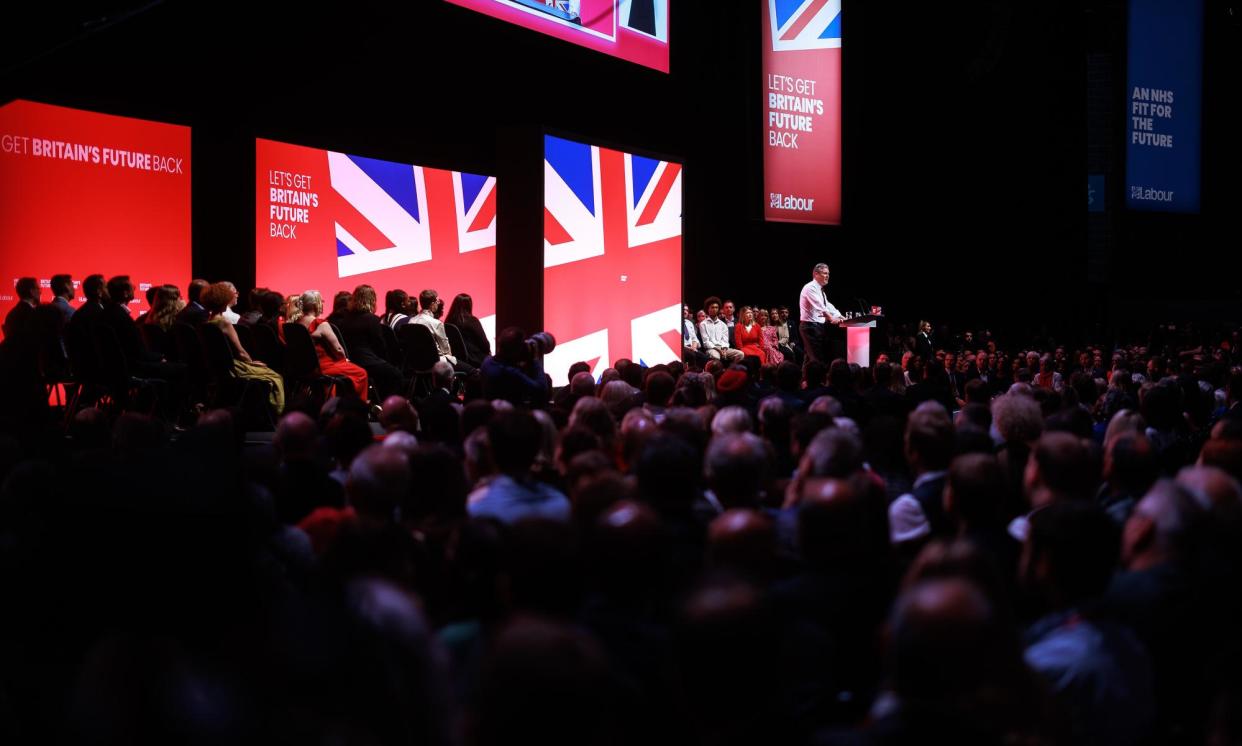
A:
296, 437
398, 414
743, 541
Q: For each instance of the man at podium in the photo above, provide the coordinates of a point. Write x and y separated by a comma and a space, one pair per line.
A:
820, 335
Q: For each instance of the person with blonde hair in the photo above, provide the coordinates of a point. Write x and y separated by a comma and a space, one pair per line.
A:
167, 305
332, 359
364, 338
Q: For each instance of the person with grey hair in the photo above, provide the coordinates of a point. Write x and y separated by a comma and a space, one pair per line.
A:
1154, 595
442, 382
378, 479
736, 468
817, 317
732, 419
831, 453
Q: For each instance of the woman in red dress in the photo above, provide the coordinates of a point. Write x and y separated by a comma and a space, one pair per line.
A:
748, 336
332, 359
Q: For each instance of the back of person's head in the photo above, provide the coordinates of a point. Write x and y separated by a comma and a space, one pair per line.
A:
120, 289
832, 453
26, 287
948, 651
396, 301
545, 683
427, 299
736, 469
930, 439
668, 474
637, 427
1071, 551
514, 436
843, 524
511, 345
439, 485
975, 489
974, 415
269, 304
775, 419
1162, 407
828, 405
215, 297
582, 384
977, 392
1225, 453
618, 397
397, 413
1163, 525
816, 373
742, 541
732, 419
93, 287
462, 309
840, 377
593, 414
362, 300
340, 301
61, 284
296, 437
627, 545
378, 481
788, 377
660, 386
1066, 465
1130, 463
1017, 417
882, 374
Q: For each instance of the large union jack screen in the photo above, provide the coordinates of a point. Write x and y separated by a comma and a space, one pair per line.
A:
330, 221
611, 257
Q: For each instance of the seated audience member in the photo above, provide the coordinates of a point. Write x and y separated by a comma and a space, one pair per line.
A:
215, 299
513, 439
513, 374
715, 333
366, 344
461, 315
332, 359
429, 316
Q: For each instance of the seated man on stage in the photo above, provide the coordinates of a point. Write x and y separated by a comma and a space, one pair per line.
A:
714, 333
819, 317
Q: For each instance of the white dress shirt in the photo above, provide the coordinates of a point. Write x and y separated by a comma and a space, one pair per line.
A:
437, 331
714, 333
813, 306
689, 338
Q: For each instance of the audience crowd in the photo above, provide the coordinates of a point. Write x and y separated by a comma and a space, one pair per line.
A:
274, 524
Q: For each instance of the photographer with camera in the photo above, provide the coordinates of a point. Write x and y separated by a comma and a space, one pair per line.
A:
515, 372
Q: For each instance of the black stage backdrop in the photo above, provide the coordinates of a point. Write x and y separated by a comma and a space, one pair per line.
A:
965, 140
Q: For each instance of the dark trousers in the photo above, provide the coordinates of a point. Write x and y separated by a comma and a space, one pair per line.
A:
814, 343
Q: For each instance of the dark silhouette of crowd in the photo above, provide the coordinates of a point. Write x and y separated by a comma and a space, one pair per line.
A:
962, 543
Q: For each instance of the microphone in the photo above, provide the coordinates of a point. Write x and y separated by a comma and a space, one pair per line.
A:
862, 306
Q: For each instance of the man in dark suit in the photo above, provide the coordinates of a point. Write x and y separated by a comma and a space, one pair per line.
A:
193, 314
979, 371
924, 347
18, 322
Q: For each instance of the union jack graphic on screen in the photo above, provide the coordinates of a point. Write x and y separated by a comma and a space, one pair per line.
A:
384, 222
612, 257
805, 24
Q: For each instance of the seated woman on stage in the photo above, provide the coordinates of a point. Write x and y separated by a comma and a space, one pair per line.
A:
461, 315
749, 336
332, 361
770, 345
216, 298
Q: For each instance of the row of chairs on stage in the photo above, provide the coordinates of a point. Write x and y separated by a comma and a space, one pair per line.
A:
91, 368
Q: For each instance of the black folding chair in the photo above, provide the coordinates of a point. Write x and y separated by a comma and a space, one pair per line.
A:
245, 335
302, 370
190, 352
418, 355
226, 387
119, 385
267, 346
457, 343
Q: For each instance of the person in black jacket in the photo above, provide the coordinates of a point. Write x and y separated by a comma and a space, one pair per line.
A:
461, 315
513, 374
365, 343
